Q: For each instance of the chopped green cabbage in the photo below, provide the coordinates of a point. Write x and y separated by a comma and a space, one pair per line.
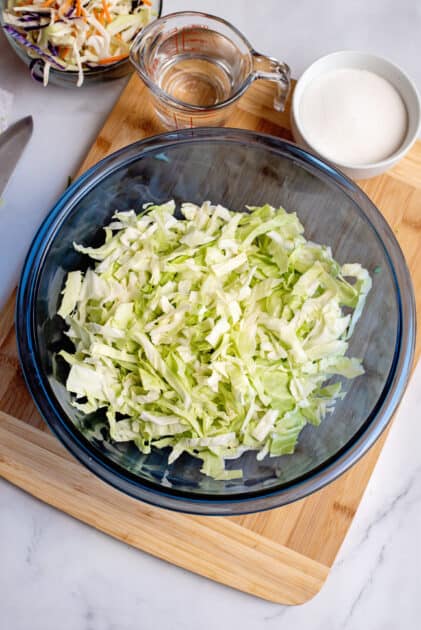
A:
213, 333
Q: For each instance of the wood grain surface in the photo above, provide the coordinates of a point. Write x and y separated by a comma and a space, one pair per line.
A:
283, 555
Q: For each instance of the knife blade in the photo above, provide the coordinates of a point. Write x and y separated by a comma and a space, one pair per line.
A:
12, 143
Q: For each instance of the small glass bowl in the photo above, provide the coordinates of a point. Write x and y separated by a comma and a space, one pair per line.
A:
69, 78
234, 168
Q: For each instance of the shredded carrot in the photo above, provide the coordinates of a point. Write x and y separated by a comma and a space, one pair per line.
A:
99, 16
147, 2
106, 11
48, 3
78, 8
64, 51
65, 7
107, 60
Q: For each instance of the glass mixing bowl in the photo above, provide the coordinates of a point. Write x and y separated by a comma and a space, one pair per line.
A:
68, 78
233, 168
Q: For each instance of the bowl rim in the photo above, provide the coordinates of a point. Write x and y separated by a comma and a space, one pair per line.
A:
201, 503
344, 55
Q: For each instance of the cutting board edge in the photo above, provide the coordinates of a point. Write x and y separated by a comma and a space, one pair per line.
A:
58, 483
254, 112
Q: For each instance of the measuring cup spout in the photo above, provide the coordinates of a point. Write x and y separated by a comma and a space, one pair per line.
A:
271, 69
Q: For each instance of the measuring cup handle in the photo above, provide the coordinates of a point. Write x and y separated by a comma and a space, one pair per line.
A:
273, 70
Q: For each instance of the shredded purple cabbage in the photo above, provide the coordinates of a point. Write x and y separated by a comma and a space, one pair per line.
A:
53, 49
31, 14
35, 27
24, 42
36, 66
28, 18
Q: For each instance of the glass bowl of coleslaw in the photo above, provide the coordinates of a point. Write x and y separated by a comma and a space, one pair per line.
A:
150, 361
76, 42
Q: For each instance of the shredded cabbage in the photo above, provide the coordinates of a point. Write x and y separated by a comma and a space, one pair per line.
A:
211, 333
76, 35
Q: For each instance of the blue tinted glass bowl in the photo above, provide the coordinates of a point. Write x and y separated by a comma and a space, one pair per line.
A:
234, 168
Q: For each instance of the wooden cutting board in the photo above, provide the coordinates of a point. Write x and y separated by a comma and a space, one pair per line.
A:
283, 555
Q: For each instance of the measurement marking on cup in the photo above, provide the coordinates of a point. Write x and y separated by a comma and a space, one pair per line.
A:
196, 45
173, 41
197, 40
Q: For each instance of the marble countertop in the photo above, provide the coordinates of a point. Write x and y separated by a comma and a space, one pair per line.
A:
58, 573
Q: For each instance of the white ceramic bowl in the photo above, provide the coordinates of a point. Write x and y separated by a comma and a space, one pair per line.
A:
384, 68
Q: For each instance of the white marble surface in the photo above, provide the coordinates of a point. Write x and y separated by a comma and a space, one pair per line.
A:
56, 573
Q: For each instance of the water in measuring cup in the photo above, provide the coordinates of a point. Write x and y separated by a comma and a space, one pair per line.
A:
195, 70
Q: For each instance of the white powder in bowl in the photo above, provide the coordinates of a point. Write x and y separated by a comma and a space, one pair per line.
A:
353, 116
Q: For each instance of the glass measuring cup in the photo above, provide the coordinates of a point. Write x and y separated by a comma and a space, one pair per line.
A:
197, 66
